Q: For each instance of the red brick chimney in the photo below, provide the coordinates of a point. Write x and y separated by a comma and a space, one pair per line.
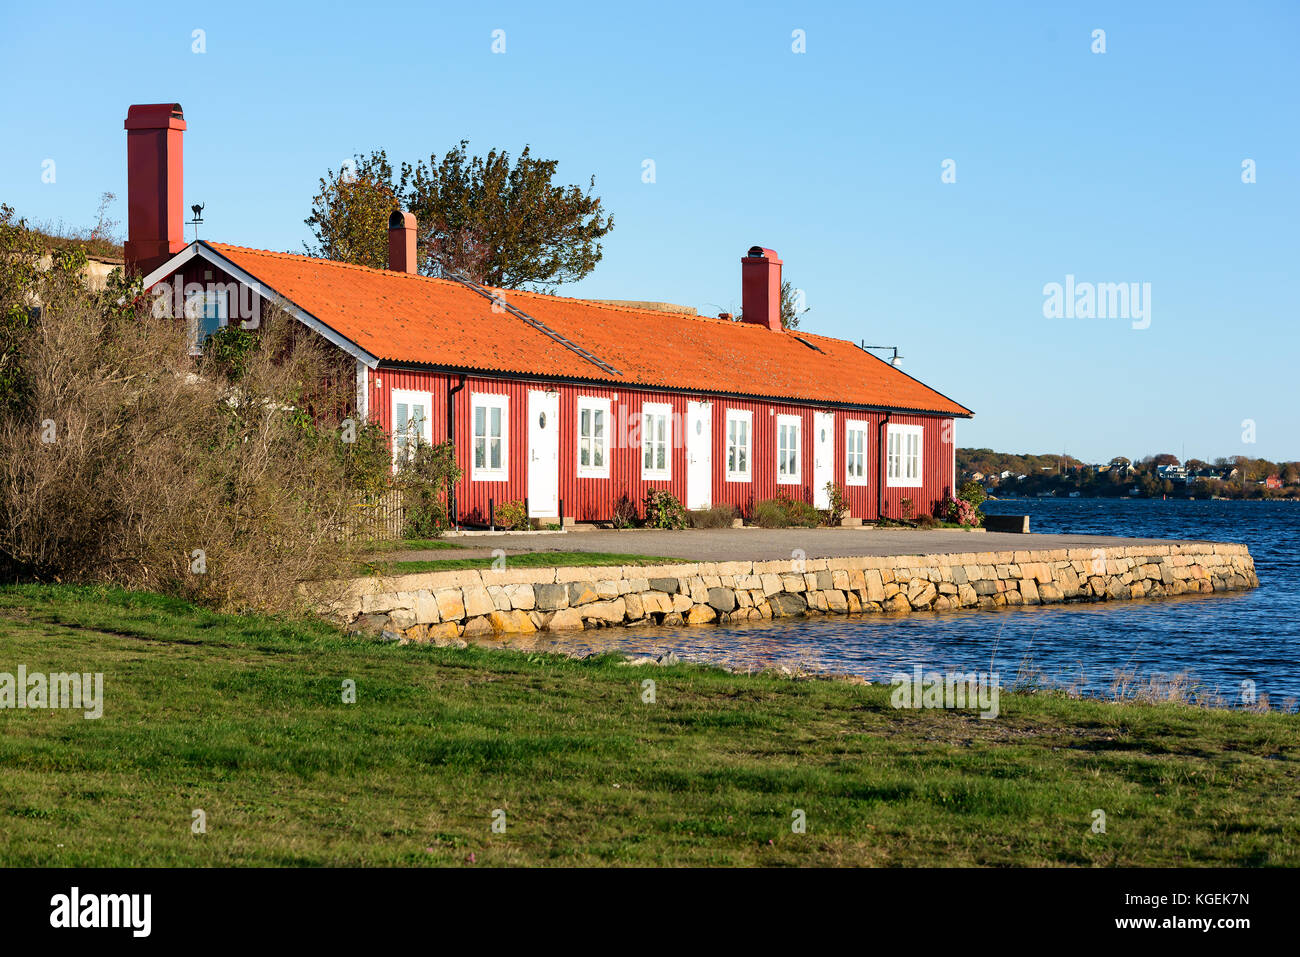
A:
154, 171
760, 292
401, 242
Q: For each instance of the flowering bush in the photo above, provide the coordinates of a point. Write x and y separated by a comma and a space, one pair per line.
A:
958, 510
662, 510
512, 515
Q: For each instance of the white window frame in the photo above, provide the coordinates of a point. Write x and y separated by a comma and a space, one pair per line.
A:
655, 410
488, 401
863, 430
593, 404
901, 463
410, 397
797, 422
745, 417
195, 317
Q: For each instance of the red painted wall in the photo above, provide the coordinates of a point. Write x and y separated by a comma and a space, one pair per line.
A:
594, 499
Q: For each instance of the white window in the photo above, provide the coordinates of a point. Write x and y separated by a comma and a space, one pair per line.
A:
788, 458
593, 437
904, 465
855, 452
656, 441
491, 424
411, 423
205, 312
739, 429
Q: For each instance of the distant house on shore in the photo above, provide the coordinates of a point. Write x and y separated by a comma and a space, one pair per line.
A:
1273, 481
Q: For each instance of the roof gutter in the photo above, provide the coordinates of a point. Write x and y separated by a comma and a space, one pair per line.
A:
451, 437
675, 390
882, 458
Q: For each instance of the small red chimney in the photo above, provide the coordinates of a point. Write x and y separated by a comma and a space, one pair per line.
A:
401, 242
155, 172
760, 288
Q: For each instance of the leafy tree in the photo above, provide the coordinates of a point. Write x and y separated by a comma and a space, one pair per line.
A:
790, 311
349, 216
503, 224
487, 218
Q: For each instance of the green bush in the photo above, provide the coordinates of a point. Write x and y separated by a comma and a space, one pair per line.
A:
974, 493
770, 513
662, 510
511, 515
719, 516
785, 512
426, 480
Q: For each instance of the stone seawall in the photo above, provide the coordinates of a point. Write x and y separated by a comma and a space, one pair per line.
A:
442, 606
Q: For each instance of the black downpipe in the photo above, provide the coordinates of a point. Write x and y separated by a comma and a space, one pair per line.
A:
882, 458
451, 437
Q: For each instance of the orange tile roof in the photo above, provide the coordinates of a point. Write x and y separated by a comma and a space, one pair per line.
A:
416, 319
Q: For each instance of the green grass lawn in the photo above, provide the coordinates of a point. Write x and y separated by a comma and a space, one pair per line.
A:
413, 545
520, 560
243, 718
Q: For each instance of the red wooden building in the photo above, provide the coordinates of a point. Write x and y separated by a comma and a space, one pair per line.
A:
572, 404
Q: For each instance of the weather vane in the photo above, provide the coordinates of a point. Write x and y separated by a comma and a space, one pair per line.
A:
197, 210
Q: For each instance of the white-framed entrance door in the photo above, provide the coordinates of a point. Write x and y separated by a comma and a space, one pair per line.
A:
823, 457
699, 455
543, 454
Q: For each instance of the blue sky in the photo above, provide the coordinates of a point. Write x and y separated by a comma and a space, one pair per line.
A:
1123, 166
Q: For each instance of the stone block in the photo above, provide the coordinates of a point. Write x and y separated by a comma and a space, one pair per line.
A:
721, 599
551, 597
701, 614
451, 604
565, 619
612, 611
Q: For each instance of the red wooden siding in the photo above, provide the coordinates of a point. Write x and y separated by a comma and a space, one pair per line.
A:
594, 499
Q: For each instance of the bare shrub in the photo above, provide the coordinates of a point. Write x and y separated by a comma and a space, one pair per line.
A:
127, 460
719, 516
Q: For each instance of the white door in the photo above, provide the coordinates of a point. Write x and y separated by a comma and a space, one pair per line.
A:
823, 457
543, 454
699, 455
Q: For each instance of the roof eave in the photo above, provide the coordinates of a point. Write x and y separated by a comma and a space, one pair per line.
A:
401, 364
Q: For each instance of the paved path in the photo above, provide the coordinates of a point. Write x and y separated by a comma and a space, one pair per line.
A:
761, 544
